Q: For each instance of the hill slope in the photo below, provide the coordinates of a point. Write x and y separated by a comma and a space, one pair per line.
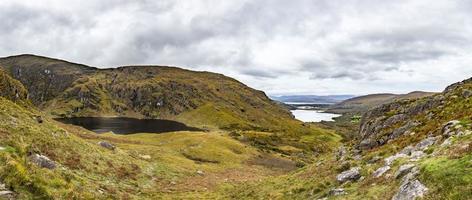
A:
408, 148
364, 103
200, 99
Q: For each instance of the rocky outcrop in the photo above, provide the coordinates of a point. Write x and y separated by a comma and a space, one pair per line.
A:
107, 145
42, 161
410, 188
380, 171
5, 193
349, 175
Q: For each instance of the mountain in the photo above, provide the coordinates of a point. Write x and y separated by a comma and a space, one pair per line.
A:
201, 99
41, 158
328, 99
363, 103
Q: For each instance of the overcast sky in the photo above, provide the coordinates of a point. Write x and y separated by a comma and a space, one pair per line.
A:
279, 46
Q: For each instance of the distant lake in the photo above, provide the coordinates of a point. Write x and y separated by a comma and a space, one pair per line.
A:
122, 125
313, 115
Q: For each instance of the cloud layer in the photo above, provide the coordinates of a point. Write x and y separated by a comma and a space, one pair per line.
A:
279, 46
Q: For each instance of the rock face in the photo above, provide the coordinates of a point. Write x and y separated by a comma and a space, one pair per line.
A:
380, 171
107, 145
404, 169
374, 128
42, 161
410, 190
349, 175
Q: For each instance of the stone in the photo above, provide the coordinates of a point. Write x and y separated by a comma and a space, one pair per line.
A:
466, 94
391, 159
341, 153
448, 128
200, 172
447, 142
416, 155
6, 194
404, 169
374, 159
107, 145
145, 157
2, 148
337, 192
410, 190
380, 171
407, 150
349, 175
426, 143
42, 161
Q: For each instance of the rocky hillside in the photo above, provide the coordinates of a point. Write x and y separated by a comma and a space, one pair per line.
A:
406, 149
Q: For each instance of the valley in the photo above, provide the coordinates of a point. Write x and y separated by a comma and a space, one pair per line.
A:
71, 131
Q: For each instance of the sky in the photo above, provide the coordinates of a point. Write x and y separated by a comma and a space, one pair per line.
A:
278, 46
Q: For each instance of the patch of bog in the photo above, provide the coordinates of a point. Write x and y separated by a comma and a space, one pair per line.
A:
123, 125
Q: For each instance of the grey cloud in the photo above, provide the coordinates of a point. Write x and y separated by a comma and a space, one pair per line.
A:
327, 39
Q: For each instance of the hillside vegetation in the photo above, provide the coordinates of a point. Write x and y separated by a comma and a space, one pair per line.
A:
201, 99
407, 149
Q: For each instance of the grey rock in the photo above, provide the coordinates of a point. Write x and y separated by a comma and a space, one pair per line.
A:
407, 150
349, 175
337, 192
447, 142
42, 161
448, 128
374, 159
380, 171
341, 153
367, 144
6, 194
200, 172
410, 190
107, 145
426, 143
2, 148
416, 155
391, 159
404, 169
466, 94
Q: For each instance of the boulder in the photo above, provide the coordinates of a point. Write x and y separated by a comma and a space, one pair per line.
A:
380, 171
416, 155
42, 161
337, 192
5, 193
349, 175
410, 190
389, 160
448, 128
107, 145
200, 172
426, 143
407, 150
404, 169
466, 94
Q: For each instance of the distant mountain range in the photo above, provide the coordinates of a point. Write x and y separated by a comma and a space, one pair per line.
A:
315, 99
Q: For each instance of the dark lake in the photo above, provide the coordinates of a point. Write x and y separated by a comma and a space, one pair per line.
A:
123, 125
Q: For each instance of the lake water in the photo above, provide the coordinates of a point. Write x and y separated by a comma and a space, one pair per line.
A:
122, 125
313, 115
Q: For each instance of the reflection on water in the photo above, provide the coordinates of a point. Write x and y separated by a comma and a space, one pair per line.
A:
313, 115
122, 125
